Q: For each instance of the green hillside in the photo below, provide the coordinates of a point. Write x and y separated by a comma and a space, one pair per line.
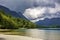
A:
10, 22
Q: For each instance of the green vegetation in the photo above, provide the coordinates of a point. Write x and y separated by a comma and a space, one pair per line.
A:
10, 22
21, 32
51, 26
54, 26
17, 26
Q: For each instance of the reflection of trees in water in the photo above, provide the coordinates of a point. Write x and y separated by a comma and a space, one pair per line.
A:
2, 38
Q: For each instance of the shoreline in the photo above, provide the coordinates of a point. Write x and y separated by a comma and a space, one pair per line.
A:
16, 37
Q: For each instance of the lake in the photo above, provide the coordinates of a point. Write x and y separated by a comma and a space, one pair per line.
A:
45, 34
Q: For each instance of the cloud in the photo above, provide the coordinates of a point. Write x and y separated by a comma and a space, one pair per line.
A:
34, 10
21, 5
40, 13
16, 5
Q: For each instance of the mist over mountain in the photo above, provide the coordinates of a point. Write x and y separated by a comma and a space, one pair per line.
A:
43, 9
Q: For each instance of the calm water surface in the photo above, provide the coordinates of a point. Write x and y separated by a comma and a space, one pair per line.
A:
44, 34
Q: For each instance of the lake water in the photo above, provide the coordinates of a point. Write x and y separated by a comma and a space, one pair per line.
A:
44, 34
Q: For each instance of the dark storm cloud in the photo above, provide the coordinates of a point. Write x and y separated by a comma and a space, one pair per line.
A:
39, 9
16, 4
21, 5
43, 9
58, 1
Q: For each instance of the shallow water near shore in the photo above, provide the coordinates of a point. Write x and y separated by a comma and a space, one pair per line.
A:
45, 34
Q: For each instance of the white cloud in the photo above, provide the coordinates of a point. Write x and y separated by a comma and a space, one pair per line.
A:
45, 8
56, 9
40, 13
34, 12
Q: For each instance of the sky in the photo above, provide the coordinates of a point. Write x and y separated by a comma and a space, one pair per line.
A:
34, 10
16, 5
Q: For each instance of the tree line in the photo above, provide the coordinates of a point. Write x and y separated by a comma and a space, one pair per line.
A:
10, 22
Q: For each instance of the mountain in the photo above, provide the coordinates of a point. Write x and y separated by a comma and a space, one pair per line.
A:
13, 13
10, 22
49, 22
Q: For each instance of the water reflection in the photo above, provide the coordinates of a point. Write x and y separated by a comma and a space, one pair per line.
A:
44, 34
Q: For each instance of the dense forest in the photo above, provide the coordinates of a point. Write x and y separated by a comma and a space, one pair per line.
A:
10, 22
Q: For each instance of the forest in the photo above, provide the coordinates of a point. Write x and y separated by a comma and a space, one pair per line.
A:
10, 22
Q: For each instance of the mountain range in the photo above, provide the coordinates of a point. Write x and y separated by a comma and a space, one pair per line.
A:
7, 21
49, 22
13, 13
45, 22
